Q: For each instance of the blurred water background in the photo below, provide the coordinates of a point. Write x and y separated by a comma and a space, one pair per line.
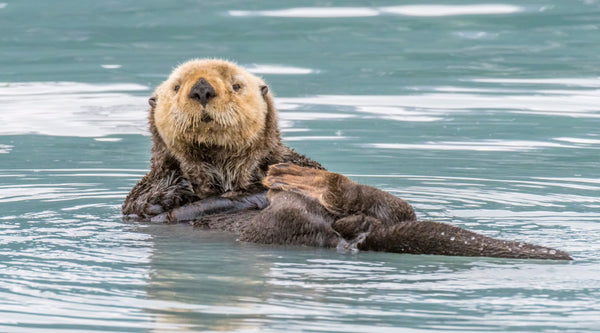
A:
483, 115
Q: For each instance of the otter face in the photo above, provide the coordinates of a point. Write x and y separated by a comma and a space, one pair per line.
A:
211, 102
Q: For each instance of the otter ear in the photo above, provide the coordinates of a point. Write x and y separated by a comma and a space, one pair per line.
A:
264, 90
152, 101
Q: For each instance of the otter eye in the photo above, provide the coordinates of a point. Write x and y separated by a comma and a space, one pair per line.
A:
177, 88
236, 87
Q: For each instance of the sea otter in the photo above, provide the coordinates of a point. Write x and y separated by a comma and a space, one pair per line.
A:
214, 132
217, 150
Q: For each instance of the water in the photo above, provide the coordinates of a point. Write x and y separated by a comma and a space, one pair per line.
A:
481, 115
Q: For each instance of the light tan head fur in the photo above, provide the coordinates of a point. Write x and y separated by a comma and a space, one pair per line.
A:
236, 118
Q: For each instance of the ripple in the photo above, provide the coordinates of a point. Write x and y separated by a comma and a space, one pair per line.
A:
576, 82
486, 145
97, 110
279, 70
583, 141
565, 103
111, 66
452, 10
312, 12
412, 10
66, 264
316, 137
5, 149
286, 115
72, 109
24, 187
108, 139
451, 294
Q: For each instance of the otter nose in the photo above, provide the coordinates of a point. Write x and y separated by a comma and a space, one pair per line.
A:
202, 92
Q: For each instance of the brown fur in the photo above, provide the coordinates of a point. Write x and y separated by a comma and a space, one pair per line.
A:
193, 159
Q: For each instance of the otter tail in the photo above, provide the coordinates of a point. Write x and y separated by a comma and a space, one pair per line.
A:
428, 237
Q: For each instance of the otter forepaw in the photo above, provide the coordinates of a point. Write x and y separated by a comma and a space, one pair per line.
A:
323, 186
289, 177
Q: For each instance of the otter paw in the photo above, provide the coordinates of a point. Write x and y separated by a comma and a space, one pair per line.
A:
289, 177
287, 169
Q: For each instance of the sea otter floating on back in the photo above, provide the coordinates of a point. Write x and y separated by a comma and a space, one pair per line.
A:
217, 151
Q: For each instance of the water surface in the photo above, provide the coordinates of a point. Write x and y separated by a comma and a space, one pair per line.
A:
482, 115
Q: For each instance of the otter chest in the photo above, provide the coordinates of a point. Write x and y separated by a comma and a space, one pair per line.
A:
218, 178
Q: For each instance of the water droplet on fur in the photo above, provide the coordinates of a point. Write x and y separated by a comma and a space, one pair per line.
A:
442, 233
520, 244
466, 242
452, 238
472, 237
552, 251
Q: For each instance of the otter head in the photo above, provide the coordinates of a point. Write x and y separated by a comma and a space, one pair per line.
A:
211, 102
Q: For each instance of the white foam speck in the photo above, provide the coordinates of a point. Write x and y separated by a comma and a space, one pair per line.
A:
111, 66
452, 10
311, 12
278, 69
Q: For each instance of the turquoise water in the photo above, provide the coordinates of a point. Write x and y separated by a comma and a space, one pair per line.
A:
481, 115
